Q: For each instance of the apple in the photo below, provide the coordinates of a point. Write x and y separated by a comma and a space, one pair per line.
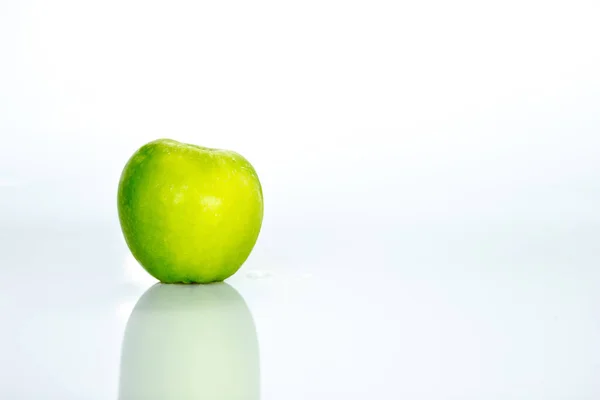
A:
190, 342
189, 214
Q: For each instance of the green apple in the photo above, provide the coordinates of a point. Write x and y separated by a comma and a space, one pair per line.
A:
189, 342
189, 214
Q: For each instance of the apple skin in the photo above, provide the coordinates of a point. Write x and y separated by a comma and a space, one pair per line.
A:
189, 342
189, 214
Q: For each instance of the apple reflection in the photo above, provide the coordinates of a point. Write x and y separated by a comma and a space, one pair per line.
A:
190, 342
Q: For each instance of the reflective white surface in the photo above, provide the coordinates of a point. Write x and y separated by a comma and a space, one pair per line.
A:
432, 199
402, 313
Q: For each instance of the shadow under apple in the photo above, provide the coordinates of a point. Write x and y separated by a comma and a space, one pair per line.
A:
190, 342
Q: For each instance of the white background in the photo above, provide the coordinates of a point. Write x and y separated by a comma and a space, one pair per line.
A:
431, 181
